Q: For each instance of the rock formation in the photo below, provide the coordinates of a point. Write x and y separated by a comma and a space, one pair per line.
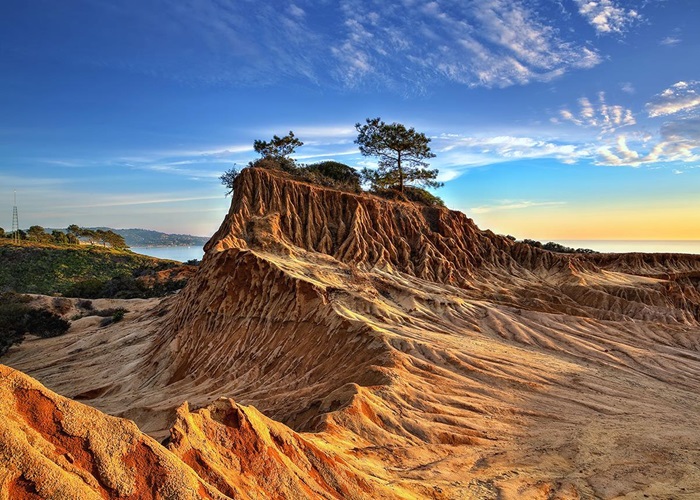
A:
381, 349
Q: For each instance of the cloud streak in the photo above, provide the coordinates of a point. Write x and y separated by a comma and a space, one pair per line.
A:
514, 205
679, 97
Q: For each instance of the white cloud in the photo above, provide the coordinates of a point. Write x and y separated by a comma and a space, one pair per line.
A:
679, 141
131, 200
605, 117
679, 97
627, 87
490, 43
456, 152
296, 11
606, 16
670, 41
513, 205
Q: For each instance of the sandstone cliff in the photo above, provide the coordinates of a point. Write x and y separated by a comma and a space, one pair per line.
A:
382, 349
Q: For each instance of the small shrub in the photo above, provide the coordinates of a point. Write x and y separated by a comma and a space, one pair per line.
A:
410, 193
45, 324
284, 164
84, 304
557, 247
90, 288
61, 305
118, 315
422, 196
109, 312
17, 318
333, 174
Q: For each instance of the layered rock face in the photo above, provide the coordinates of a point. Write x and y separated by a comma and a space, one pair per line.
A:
380, 349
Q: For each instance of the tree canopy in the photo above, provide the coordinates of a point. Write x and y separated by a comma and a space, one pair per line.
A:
227, 179
402, 153
278, 147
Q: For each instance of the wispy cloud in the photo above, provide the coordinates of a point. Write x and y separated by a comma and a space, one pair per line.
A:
491, 43
456, 152
627, 87
129, 200
605, 117
670, 41
680, 97
607, 16
513, 205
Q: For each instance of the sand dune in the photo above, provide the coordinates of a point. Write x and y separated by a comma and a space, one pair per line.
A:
392, 350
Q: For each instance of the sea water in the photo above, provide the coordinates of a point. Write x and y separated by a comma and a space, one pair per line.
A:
180, 254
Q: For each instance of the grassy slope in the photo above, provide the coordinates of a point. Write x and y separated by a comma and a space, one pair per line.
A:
49, 269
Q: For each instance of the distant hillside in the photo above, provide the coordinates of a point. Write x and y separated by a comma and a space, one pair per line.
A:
149, 238
50, 269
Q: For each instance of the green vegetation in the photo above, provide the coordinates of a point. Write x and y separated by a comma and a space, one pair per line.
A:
400, 174
279, 148
122, 286
54, 269
38, 234
554, 247
402, 153
228, 177
18, 318
106, 237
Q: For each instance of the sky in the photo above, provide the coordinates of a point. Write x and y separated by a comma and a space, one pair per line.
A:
550, 119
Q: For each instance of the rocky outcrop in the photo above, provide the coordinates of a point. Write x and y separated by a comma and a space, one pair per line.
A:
269, 211
52, 447
246, 455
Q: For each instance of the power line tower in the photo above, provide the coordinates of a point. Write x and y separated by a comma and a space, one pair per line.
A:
15, 222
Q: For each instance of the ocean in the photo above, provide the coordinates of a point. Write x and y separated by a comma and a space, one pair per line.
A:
183, 254
625, 246
180, 254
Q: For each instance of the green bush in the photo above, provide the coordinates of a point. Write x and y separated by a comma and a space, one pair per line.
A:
328, 173
45, 324
284, 164
88, 289
410, 193
17, 318
61, 305
112, 315
333, 174
556, 247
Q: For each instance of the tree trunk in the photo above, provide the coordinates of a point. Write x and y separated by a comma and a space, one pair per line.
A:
398, 164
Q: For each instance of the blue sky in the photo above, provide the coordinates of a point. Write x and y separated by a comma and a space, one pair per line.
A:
552, 119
